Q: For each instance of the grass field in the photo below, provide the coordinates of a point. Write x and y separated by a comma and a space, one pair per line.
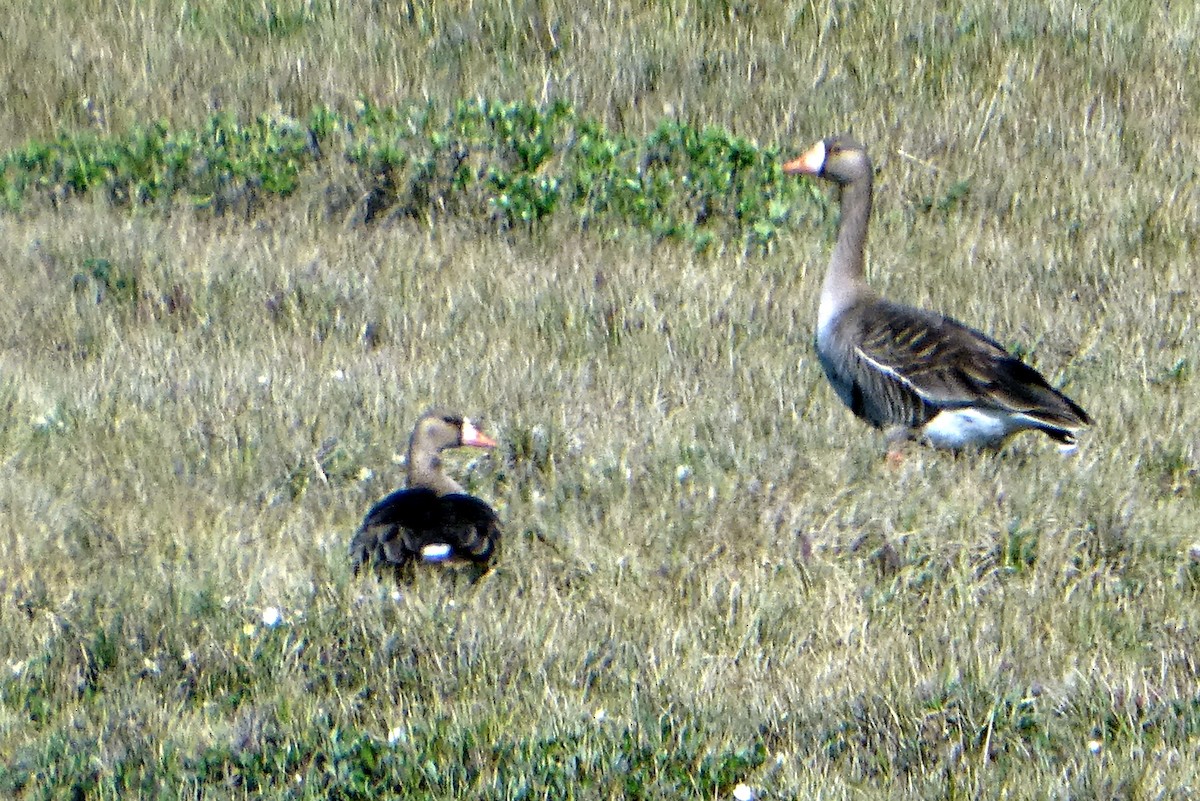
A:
710, 577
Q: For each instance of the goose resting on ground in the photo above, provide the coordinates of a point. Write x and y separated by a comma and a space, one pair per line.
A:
914, 373
434, 519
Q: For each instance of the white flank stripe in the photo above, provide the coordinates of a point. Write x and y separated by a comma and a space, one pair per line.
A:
436, 552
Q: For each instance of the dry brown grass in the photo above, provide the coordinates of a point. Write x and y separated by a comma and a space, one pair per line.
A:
697, 531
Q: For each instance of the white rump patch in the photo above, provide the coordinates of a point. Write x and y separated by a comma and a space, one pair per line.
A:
1068, 448
436, 552
970, 427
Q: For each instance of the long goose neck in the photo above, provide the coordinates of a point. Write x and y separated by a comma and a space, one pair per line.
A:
846, 277
425, 470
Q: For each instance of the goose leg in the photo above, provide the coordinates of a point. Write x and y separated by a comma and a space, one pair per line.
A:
897, 437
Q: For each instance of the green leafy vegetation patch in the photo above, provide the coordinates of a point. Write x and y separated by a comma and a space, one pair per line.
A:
510, 164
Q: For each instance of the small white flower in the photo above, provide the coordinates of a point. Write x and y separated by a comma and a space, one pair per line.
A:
271, 617
17, 668
744, 792
338, 375
683, 473
1095, 746
397, 735
396, 596
365, 473
263, 379
599, 715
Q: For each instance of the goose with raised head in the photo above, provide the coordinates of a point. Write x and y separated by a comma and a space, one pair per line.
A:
433, 520
916, 374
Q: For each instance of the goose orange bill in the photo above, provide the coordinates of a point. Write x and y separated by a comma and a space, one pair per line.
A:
811, 163
473, 436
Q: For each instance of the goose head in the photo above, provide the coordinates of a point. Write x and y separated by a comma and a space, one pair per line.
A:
840, 159
439, 429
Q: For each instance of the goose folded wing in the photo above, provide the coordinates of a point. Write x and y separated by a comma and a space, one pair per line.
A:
392, 526
943, 363
468, 525
408, 521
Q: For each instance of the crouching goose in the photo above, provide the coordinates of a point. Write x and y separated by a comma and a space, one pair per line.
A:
914, 373
434, 519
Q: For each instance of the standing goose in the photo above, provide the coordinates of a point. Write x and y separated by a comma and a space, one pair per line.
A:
914, 373
434, 519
